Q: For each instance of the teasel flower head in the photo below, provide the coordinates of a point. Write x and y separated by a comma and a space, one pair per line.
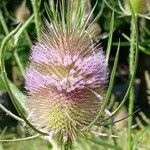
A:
66, 68
22, 12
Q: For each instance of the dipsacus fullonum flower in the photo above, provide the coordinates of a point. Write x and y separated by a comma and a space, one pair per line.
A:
67, 67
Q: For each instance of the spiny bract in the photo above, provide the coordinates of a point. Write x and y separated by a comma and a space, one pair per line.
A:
66, 66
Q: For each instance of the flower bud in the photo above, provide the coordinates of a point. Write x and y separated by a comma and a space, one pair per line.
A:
22, 13
139, 6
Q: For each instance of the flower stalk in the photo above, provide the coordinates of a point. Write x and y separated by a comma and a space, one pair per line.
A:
132, 58
131, 94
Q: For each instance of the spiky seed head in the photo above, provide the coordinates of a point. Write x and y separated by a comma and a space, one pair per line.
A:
22, 13
66, 66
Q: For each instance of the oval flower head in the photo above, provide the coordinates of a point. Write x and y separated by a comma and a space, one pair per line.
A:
66, 68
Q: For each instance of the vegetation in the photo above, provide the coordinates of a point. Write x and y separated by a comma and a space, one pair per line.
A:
123, 29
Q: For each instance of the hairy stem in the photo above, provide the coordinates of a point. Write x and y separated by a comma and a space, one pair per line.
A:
131, 69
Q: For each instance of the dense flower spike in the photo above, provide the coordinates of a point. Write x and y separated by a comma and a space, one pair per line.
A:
66, 66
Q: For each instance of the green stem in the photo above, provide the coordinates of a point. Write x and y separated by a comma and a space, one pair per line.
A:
131, 94
132, 47
28, 38
11, 114
17, 59
37, 20
130, 119
3, 23
134, 18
